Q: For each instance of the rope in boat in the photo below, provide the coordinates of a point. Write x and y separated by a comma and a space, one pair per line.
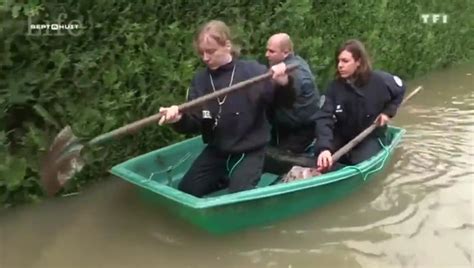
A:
186, 157
235, 165
170, 168
386, 150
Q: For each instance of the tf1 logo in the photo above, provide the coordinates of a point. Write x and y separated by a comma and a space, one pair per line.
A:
434, 18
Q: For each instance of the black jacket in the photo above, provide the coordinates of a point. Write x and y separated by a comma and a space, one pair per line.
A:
348, 110
243, 124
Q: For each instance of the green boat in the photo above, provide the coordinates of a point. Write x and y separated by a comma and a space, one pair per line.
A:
158, 173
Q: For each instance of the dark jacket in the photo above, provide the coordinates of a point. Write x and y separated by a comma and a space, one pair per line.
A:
303, 112
348, 110
243, 124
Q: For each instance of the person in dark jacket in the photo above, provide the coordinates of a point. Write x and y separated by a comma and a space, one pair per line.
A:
293, 127
234, 127
357, 97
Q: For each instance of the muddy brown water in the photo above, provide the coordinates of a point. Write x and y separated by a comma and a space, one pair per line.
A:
417, 213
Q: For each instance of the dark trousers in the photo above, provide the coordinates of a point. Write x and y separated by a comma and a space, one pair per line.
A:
213, 170
363, 151
294, 140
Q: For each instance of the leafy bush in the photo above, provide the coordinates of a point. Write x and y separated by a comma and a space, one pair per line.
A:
132, 58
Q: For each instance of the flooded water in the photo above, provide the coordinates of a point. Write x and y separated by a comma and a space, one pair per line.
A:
417, 213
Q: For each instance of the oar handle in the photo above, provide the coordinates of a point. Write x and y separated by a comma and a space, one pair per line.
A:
137, 125
346, 148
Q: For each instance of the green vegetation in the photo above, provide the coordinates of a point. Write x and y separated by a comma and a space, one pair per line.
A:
133, 57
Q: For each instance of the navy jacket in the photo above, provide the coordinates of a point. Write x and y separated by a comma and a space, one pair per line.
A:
306, 104
348, 110
243, 124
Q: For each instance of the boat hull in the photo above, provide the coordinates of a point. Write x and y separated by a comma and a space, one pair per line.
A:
264, 205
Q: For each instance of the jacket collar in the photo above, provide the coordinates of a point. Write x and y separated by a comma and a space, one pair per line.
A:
290, 58
223, 68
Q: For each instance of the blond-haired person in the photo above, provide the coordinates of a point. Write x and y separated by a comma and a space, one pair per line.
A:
234, 127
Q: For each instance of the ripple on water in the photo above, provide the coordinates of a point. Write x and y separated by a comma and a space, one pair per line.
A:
427, 197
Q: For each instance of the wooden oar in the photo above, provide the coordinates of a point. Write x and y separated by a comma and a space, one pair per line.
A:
63, 159
349, 146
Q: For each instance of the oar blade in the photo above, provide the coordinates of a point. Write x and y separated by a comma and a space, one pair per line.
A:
61, 162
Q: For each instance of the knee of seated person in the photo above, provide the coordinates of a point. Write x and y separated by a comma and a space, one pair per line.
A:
365, 151
188, 188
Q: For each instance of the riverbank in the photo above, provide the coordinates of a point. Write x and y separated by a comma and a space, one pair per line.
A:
129, 59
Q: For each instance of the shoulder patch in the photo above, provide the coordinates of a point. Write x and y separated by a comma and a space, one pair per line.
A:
398, 81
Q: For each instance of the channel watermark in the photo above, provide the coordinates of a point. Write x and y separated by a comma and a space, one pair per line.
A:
434, 18
59, 27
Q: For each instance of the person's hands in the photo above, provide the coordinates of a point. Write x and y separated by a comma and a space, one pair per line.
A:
324, 161
382, 120
279, 74
170, 115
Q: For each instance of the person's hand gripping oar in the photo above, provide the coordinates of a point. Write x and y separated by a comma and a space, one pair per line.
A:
63, 159
325, 161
